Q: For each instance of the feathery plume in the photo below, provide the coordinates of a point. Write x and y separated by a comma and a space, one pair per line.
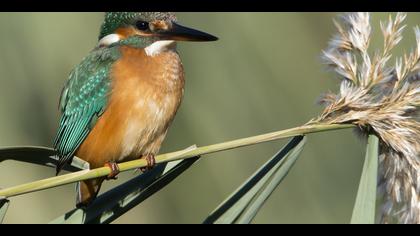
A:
383, 100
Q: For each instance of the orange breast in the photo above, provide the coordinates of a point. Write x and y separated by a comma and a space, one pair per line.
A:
146, 93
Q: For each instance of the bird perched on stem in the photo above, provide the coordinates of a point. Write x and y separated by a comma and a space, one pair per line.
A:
120, 100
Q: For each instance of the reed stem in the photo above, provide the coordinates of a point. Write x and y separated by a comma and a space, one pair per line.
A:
172, 156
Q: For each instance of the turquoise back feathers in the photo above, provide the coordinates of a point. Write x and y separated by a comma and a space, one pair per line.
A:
83, 100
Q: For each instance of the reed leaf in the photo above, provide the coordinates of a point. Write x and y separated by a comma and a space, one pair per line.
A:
364, 208
242, 206
40, 156
117, 201
4, 205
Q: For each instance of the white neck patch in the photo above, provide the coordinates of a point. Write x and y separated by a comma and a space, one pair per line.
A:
160, 46
108, 40
152, 50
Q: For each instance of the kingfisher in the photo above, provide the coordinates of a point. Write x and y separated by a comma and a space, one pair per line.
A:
120, 100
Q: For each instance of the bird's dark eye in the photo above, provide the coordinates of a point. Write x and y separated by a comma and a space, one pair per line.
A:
142, 25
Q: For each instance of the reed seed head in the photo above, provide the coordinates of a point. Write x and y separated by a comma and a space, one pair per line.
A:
382, 98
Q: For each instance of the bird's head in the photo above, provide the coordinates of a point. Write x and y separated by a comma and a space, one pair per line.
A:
143, 29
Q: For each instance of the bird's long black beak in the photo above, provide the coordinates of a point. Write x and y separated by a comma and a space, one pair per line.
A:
181, 33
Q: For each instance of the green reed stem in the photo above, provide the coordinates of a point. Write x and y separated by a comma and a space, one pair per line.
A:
172, 156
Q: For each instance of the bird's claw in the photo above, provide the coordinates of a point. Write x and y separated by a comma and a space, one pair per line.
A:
115, 170
151, 162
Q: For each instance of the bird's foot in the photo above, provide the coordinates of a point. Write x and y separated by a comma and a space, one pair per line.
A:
115, 170
151, 162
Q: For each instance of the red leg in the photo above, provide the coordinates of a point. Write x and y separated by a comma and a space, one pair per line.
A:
115, 170
151, 162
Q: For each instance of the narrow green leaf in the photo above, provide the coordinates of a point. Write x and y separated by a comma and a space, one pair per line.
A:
364, 208
117, 201
4, 205
40, 156
244, 203
279, 173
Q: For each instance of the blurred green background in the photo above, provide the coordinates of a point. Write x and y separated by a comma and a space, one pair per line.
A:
264, 74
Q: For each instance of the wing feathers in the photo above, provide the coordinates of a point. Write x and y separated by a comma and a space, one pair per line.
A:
83, 99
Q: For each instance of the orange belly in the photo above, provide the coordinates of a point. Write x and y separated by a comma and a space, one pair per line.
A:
146, 93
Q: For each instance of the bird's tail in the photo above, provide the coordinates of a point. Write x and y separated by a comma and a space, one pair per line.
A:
87, 191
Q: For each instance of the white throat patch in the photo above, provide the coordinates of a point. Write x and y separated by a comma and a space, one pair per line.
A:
108, 40
151, 50
160, 46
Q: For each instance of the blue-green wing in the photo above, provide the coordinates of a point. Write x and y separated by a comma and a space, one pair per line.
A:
83, 100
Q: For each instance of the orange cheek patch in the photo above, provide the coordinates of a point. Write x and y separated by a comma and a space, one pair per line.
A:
126, 32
